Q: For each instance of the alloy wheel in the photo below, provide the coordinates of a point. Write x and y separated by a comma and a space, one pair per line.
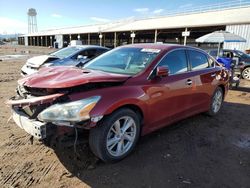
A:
246, 74
217, 101
121, 136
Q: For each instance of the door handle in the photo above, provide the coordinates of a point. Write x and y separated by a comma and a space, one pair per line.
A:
213, 75
189, 82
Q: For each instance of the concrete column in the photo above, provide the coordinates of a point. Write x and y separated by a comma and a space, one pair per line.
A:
100, 38
37, 41
46, 40
185, 38
114, 39
41, 38
88, 39
51, 41
156, 33
132, 35
104, 40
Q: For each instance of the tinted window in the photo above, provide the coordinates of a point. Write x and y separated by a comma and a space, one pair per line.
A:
124, 60
227, 54
176, 62
90, 53
65, 52
198, 60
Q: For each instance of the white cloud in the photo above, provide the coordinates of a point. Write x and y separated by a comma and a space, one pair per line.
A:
188, 5
98, 19
10, 26
158, 11
56, 15
141, 10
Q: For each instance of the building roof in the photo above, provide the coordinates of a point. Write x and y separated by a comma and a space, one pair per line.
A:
198, 19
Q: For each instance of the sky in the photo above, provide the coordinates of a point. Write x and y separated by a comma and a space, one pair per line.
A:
65, 13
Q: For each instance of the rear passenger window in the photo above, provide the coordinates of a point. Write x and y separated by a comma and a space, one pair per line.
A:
198, 60
176, 62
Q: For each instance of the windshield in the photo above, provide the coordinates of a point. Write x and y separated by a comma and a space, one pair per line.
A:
242, 54
65, 52
129, 61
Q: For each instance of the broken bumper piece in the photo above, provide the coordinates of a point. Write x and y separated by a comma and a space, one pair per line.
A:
33, 127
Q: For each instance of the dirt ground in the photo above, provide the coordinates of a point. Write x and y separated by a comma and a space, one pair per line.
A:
197, 152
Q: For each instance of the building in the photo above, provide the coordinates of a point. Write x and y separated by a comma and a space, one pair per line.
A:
233, 17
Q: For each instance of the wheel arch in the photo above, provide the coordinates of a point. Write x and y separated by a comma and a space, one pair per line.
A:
223, 90
134, 108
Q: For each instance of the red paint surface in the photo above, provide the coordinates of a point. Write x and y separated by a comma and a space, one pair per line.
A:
34, 101
64, 77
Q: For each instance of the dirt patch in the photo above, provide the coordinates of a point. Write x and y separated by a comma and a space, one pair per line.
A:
197, 152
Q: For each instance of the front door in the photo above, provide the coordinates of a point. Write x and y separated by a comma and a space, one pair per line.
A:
171, 96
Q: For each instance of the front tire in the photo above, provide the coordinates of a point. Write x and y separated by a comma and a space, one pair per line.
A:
115, 136
216, 102
246, 73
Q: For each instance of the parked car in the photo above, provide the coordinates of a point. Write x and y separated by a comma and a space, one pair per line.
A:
242, 61
69, 56
122, 94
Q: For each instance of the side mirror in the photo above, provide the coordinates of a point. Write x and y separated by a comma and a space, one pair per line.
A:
162, 72
81, 57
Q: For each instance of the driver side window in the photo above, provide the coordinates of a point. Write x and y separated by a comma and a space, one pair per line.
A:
176, 62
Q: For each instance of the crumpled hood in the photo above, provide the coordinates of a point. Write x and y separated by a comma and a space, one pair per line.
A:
64, 77
37, 61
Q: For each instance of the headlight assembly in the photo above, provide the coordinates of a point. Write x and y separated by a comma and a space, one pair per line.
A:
69, 112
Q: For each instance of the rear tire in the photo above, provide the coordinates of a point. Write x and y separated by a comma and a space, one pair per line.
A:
115, 136
216, 102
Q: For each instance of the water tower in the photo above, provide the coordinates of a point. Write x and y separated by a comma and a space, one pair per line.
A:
32, 24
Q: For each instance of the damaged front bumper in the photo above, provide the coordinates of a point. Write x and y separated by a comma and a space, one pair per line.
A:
33, 127
25, 113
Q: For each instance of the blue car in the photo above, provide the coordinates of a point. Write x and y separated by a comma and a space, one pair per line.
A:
69, 56
241, 59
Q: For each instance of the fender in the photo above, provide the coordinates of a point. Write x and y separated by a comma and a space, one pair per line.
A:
115, 97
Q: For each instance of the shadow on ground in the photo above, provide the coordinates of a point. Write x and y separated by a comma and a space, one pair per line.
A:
198, 152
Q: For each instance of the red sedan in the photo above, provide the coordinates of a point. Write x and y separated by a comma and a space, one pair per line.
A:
122, 94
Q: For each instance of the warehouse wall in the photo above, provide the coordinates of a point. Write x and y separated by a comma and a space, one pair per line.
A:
242, 30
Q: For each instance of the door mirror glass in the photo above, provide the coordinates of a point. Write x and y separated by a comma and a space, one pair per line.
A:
162, 71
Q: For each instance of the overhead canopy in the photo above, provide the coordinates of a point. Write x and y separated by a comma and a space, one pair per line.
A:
220, 37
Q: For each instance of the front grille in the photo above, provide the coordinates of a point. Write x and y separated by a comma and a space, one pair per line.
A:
37, 91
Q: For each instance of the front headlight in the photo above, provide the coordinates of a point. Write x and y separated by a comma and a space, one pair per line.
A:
70, 112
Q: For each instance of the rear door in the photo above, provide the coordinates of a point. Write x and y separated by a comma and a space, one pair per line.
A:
204, 76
